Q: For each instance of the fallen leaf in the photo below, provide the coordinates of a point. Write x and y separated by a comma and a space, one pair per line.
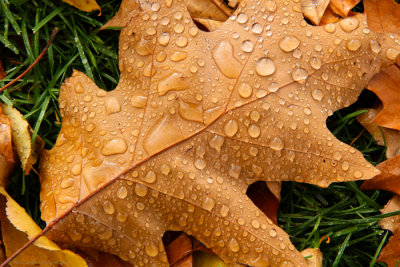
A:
391, 223
313, 257
17, 227
314, 9
382, 135
389, 179
208, 9
2, 72
7, 156
87, 5
197, 117
386, 85
343, 7
21, 136
383, 15
329, 17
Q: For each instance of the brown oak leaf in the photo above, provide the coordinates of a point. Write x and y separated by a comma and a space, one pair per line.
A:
383, 15
197, 117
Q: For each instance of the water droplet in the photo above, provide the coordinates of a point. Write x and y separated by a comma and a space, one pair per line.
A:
353, 45
178, 56
150, 177
74, 235
255, 115
299, 75
151, 249
174, 81
141, 190
163, 134
242, 18
289, 43
226, 62
317, 94
273, 87
245, 90
231, 127
224, 211
108, 207
113, 147
112, 105
234, 170
276, 144
357, 174
257, 28
66, 183
254, 131
337, 155
272, 232
190, 111
164, 38
265, 66
122, 192
392, 53
181, 41
316, 63
179, 28
255, 224
139, 101
375, 46
349, 24
247, 46
165, 169
200, 164
155, 7
345, 165
216, 142
234, 245
208, 203
331, 27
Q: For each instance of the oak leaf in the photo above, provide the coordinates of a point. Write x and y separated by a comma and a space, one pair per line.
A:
197, 117
383, 15
386, 85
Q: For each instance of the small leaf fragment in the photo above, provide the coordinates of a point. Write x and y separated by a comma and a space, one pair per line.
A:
87, 5
314, 257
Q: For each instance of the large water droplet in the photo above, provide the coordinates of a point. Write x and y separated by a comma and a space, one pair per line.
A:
122, 192
375, 46
150, 177
141, 190
299, 75
190, 111
174, 81
353, 45
112, 105
108, 207
245, 90
113, 147
231, 127
265, 66
226, 62
317, 94
234, 245
257, 28
242, 18
349, 24
151, 249
216, 142
289, 43
163, 39
200, 164
276, 144
254, 131
247, 46
208, 203
316, 63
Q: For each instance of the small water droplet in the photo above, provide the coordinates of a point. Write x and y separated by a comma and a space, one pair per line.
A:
234, 245
224, 211
242, 18
200, 164
150, 177
353, 45
151, 249
122, 192
254, 131
299, 75
113, 147
349, 24
316, 63
141, 190
247, 46
257, 28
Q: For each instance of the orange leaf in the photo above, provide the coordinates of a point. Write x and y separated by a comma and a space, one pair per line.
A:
383, 15
343, 7
86, 5
391, 252
389, 179
386, 85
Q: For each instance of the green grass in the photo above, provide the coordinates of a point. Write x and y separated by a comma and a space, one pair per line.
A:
342, 212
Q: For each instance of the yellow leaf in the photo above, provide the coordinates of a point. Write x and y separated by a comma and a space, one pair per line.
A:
86, 5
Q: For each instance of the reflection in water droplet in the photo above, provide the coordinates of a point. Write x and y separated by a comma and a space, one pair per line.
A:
276, 144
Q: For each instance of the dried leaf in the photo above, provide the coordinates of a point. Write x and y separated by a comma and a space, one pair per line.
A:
87, 5
208, 24
383, 15
204, 259
314, 257
329, 17
390, 254
7, 156
2, 72
391, 223
197, 117
314, 9
382, 135
386, 85
21, 136
17, 227
343, 7
389, 179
